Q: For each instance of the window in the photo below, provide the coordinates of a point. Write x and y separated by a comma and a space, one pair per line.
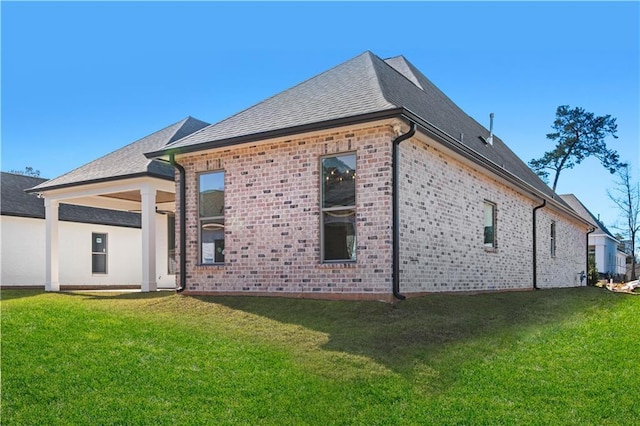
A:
211, 217
338, 199
171, 244
489, 224
553, 239
98, 253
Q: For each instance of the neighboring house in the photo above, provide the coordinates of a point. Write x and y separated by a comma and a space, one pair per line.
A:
99, 247
303, 195
610, 260
122, 180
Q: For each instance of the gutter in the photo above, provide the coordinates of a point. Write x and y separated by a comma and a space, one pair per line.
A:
276, 133
399, 112
396, 210
183, 224
40, 188
535, 245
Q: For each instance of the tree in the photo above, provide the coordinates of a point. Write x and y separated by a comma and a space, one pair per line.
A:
28, 171
579, 134
592, 271
626, 195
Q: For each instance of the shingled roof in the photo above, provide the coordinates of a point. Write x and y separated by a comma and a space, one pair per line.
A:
129, 161
583, 211
14, 201
362, 89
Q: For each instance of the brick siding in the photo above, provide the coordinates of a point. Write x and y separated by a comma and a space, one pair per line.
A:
442, 245
272, 219
564, 269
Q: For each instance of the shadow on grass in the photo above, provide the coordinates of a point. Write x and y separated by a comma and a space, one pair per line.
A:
398, 334
119, 295
11, 294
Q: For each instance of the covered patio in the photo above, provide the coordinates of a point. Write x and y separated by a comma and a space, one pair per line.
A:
122, 180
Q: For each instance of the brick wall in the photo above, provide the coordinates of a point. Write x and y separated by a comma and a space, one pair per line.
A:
563, 269
272, 217
442, 245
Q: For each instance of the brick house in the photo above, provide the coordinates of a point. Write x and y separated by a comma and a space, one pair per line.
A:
365, 181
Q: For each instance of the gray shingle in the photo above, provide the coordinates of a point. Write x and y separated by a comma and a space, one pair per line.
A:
351, 88
362, 85
584, 212
434, 106
129, 160
14, 201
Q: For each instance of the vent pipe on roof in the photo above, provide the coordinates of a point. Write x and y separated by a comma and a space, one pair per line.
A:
489, 140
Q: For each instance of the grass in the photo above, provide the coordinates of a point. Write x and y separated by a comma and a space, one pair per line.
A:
547, 357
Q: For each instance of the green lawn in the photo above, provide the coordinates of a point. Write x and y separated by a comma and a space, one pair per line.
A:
546, 357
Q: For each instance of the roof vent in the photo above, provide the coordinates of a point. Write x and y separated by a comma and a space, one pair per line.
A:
489, 140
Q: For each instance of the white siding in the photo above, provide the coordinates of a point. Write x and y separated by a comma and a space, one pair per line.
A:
606, 253
23, 253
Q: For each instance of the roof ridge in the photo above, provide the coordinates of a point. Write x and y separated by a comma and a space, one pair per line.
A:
22, 175
183, 123
596, 221
402, 57
281, 93
44, 184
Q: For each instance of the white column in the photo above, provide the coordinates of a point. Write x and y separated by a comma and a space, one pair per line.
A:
148, 194
52, 276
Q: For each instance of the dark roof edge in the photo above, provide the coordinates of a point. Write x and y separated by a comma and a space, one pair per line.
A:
101, 180
465, 151
287, 131
23, 215
401, 112
103, 223
598, 223
87, 222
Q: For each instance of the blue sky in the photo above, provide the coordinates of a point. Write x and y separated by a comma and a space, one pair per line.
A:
82, 79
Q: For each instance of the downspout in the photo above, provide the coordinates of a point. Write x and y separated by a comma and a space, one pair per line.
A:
396, 210
183, 225
535, 245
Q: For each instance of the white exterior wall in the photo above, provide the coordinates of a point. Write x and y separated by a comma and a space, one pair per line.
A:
621, 263
23, 253
162, 261
22, 256
606, 253
441, 227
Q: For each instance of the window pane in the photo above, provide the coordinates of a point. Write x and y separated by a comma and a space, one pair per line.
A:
212, 241
340, 235
99, 243
489, 233
211, 200
339, 181
99, 263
